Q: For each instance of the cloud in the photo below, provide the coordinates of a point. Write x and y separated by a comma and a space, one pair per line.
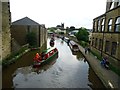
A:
53, 12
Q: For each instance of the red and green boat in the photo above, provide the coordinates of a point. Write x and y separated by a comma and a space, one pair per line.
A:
45, 56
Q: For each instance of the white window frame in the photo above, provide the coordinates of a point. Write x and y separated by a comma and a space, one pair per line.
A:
110, 25
117, 23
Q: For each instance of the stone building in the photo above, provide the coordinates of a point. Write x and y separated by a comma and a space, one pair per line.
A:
20, 28
5, 35
106, 33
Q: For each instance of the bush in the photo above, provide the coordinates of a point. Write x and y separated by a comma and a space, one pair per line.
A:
83, 43
82, 35
12, 57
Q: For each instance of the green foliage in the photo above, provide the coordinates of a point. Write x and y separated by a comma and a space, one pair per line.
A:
31, 39
114, 69
83, 43
13, 57
62, 33
97, 55
82, 35
52, 29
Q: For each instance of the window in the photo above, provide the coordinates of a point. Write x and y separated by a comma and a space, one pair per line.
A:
117, 25
107, 46
93, 41
28, 29
119, 3
112, 5
95, 26
102, 25
96, 42
114, 48
110, 25
100, 44
98, 25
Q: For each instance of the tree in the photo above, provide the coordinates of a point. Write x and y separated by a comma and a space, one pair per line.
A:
31, 39
82, 35
72, 28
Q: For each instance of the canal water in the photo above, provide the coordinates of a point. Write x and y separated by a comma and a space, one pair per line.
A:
67, 70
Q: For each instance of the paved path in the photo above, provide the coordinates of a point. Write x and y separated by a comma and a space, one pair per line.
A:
108, 77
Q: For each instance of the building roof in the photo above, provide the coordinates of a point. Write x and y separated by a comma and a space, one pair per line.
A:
25, 21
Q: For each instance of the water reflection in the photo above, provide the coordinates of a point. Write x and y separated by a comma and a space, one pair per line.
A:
94, 84
24, 74
41, 68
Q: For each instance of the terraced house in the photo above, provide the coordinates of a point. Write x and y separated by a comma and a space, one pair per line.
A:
106, 33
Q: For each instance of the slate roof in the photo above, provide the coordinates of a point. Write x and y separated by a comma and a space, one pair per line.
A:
25, 21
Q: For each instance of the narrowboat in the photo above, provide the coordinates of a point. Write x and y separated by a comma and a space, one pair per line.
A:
73, 46
45, 56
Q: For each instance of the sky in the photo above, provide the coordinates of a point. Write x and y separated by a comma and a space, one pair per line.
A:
78, 13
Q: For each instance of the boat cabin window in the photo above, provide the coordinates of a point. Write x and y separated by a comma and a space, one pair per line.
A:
75, 46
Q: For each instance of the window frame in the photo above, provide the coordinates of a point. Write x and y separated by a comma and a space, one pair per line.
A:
107, 46
103, 25
98, 25
114, 48
110, 24
117, 24
112, 5
100, 44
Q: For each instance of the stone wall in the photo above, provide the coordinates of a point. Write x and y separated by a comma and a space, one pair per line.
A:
107, 36
19, 33
15, 46
0, 30
6, 35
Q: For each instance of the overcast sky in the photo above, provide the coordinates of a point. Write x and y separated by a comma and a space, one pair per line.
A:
78, 13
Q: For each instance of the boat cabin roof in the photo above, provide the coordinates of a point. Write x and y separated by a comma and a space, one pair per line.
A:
48, 50
73, 43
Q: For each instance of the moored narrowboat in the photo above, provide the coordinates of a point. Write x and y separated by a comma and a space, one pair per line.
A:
45, 56
73, 46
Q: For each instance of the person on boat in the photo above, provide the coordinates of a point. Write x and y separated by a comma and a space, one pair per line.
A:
37, 57
43, 56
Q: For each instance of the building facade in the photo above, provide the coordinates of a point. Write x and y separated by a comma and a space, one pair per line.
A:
5, 35
106, 33
20, 28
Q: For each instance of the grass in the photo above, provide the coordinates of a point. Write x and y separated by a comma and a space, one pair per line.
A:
97, 55
114, 69
13, 57
83, 43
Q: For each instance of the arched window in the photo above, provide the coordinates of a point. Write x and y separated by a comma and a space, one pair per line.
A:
102, 25
110, 25
117, 25
112, 5
98, 25
118, 3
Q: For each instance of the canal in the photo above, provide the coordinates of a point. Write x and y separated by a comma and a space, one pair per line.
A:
67, 70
